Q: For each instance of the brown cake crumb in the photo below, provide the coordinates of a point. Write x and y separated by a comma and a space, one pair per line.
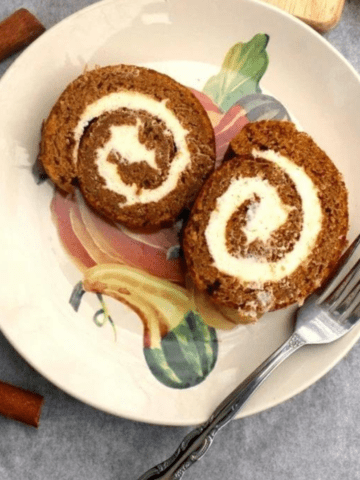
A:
70, 161
255, 297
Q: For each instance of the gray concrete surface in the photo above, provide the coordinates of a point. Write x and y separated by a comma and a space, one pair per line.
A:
314, 436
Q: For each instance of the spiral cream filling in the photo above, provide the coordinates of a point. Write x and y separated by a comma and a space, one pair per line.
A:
124, 140
263, 219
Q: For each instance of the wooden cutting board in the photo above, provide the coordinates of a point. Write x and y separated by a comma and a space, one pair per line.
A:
320, 14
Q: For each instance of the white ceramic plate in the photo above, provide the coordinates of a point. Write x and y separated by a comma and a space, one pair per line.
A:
188, 40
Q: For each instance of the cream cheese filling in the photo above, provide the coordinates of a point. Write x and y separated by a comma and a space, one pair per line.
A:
124, 140
265, 218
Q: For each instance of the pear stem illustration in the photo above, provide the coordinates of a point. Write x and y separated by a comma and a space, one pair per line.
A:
102, 316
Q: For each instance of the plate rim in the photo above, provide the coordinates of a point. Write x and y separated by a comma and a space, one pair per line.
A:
248, 411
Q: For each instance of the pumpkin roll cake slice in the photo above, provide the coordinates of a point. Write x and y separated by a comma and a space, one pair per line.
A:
270, 224
138, 144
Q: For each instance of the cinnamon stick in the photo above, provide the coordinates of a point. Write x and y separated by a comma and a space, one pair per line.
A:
19, 404
18, 31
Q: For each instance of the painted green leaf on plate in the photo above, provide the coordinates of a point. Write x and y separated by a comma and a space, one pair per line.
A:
240, 74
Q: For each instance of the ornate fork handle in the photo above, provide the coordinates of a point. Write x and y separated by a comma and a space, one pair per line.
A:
198, 441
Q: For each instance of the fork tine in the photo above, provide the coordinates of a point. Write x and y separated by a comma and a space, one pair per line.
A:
341, 266
354, 315
347, 310
343, 289
349, 302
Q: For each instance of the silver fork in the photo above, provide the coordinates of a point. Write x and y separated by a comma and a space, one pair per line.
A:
325, 317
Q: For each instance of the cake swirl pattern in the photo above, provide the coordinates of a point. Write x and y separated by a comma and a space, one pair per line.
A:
270, 224
137, 143
262, 219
